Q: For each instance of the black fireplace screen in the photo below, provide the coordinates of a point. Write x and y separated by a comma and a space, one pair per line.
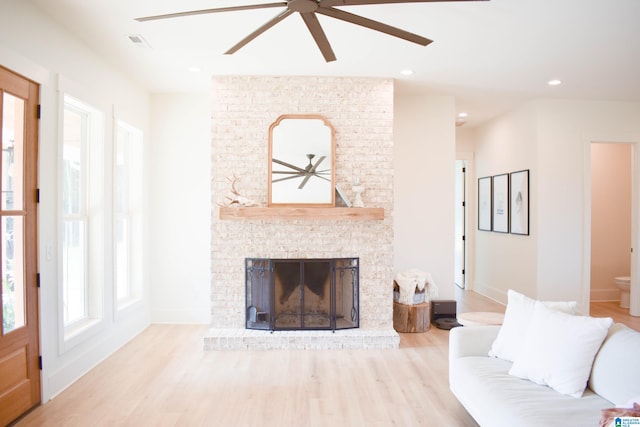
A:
290, 294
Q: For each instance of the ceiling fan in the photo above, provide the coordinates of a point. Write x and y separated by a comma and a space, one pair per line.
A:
305, 173
308, 9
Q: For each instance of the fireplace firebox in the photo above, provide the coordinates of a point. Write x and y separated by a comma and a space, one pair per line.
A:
310, 294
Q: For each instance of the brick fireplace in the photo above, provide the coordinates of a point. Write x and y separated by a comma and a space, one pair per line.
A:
361, 111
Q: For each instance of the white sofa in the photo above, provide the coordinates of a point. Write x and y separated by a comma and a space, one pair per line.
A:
494, 398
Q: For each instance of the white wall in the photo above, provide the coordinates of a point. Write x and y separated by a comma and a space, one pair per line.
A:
552, 138
465, 140
424, 163
565, 132
32, 45
507, 261
180, 206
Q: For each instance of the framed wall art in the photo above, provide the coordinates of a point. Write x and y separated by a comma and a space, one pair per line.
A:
519, 201
500, 198
484, 203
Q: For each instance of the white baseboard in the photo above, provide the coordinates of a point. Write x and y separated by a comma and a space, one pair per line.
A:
601, 295
495, 294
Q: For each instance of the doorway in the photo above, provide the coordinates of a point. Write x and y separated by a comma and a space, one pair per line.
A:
19, 335
460, 224
611, 195
633, 252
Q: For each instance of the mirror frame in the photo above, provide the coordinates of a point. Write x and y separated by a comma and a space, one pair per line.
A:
292, 202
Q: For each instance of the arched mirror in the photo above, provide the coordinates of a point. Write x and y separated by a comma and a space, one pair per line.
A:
301, 166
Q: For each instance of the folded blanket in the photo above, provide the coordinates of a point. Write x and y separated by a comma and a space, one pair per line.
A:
410, 280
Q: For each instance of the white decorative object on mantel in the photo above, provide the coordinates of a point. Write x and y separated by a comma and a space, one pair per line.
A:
357, 190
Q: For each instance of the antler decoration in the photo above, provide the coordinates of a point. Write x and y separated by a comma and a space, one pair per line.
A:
234, 198
233, 181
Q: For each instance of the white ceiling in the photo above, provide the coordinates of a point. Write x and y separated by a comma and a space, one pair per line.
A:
491, 55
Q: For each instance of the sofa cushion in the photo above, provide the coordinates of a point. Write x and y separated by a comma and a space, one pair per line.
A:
517, 318
559, 349
496, 399
616, 369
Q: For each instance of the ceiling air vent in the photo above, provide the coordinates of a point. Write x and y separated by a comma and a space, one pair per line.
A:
139, 41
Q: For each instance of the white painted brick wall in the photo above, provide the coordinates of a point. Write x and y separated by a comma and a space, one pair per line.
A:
361, 111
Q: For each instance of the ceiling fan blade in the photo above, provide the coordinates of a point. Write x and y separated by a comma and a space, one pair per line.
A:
205, 11
330, 3
374, 25
287, 178
259, 31
289, 165
311, 173
320, 160
318, 35
304, 181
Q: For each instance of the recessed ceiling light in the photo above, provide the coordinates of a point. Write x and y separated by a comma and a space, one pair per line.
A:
406, 72
463, 115
554, 82
194, 69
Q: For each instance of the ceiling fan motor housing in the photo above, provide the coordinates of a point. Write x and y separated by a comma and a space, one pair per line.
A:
302, 6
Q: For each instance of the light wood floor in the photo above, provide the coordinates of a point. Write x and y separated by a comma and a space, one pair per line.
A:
164, 378
612, 309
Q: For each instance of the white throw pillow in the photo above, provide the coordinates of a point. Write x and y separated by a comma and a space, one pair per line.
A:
515, 325
559, 349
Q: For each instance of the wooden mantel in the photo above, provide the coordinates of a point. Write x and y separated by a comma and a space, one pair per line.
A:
301, 213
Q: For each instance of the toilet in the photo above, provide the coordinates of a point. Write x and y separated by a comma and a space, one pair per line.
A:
623, 283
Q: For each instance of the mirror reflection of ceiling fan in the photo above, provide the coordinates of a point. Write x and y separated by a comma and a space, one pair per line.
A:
305, 173
308, 9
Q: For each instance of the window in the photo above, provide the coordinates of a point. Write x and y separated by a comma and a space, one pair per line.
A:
82, 217
127, 215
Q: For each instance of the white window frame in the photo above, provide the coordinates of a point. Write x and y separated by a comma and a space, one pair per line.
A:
128, 167
92, 187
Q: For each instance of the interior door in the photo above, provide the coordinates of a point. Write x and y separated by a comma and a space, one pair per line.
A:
460, 247
19, 352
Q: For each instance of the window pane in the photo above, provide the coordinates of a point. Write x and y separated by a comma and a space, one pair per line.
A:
74, 258
12, 152
122, 258
13, 286
72, 162
121, 207
127, 195
122, 171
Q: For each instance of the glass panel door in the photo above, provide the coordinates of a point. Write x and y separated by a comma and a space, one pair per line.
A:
19, 339
12, 203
